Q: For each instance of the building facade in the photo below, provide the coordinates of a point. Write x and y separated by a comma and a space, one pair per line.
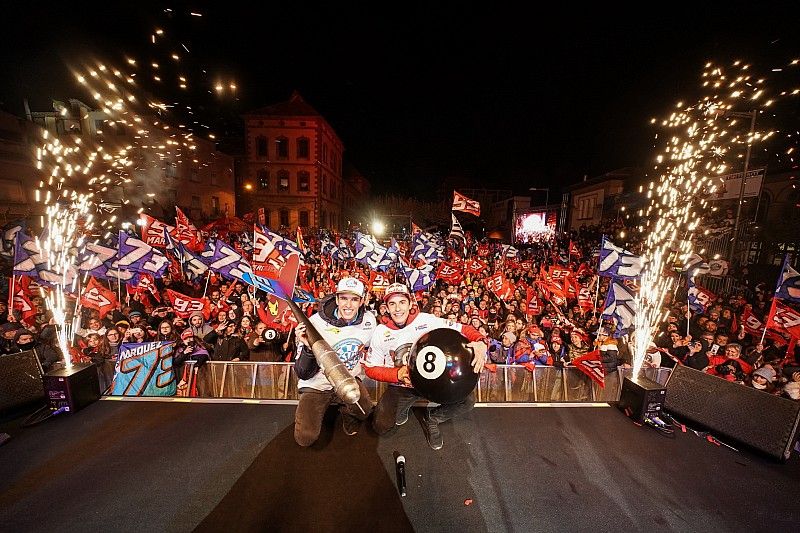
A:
18, 175
590, 198
293, 167
163, 175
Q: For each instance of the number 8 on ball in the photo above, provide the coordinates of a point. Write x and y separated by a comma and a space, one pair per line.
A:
430, 362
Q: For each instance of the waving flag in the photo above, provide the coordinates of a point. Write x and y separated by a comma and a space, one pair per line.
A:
620, 305
591, 365
143, 284
184, 305
369, 251
617, 262
574, 250
136, 255
96, 260
31, 260
456, 231
266, 258
696, 266
419, 278
191, 265
699, 298
96, 296
462, 203
509, 251
449, 273
21, 300
9, 236
186, 233
343, 251
425, 248
784, 319
788, 283
153, 230
225, 260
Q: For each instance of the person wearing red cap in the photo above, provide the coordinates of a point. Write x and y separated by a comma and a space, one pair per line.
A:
387, 360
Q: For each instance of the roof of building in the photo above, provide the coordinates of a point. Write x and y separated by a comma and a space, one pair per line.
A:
295, 106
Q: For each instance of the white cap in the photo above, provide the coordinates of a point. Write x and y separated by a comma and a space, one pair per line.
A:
396, 288
351, 285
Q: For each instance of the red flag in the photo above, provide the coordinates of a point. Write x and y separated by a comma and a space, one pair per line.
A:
784, 319
591, 365
300, 242
533, 306
585, 300
449, 273
97, 296
186, 233
573, 249
462, 203
153, 230
476, 266
378, 281
22, 297
184, 305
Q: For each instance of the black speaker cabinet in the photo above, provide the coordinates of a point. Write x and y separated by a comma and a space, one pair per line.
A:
754, 418
72, 388
20, 380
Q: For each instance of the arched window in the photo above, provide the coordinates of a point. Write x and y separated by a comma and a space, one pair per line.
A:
303, 151
262, 177
261, 146
283, 181
303, 180
282, 147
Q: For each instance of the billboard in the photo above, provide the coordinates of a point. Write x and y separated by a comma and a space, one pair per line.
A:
534, 226
731, 184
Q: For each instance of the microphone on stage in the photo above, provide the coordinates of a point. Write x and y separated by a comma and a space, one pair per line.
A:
400, 467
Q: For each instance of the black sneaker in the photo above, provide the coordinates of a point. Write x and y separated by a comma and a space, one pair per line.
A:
350, 424
432, 433
402, 417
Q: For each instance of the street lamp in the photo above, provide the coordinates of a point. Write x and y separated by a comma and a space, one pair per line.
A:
735, 242
547, 197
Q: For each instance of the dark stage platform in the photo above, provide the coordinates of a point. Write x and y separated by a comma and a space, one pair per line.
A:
152, 466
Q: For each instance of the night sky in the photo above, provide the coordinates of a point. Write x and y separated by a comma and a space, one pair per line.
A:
489, 96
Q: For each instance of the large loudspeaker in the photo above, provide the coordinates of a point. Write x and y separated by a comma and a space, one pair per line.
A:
20, 380
759, 420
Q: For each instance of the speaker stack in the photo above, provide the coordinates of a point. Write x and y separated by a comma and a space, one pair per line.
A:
20, 381
758, 420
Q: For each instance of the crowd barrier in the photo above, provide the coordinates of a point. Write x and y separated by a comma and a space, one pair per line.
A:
508, 384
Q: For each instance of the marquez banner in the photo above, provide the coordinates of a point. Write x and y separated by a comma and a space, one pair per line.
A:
145, 369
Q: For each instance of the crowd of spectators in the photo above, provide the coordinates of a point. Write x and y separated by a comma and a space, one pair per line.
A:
241, 327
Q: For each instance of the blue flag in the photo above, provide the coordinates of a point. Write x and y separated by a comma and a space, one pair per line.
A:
788, 283
619, 263
620, 305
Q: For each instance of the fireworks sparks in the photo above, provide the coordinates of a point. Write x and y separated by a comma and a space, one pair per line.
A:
704, 137
125, 139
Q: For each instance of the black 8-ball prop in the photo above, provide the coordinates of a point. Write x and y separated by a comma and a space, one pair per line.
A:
440, 365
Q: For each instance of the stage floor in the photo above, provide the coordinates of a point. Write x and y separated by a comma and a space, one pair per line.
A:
153, 466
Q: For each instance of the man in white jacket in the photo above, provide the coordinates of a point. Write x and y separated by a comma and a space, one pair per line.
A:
347, 326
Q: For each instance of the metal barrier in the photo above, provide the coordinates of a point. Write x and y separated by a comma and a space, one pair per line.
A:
508, 384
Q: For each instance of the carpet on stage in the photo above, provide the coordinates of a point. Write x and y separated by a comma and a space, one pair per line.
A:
171, 466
